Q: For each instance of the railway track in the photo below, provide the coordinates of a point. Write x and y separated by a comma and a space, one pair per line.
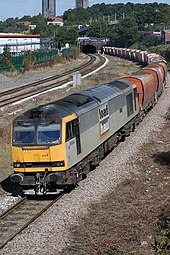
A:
23, 213
14, 95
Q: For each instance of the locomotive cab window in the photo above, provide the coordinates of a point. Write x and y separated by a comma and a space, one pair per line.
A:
129, 102
135, 97
49, 134
72, 130
23, 134
27, 134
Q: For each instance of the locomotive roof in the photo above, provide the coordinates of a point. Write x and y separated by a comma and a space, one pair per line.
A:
78, 103
86, 100
44, 113
120, 84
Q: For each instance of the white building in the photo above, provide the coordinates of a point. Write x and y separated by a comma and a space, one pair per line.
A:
20, 42
54, 20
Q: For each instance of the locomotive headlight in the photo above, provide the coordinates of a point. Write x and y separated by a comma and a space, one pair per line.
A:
62, 163
17, 165
58, 163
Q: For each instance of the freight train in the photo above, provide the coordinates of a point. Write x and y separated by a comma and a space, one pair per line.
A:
55, 145
140, 56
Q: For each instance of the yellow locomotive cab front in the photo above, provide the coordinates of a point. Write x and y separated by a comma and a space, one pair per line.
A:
39, 149
39, 158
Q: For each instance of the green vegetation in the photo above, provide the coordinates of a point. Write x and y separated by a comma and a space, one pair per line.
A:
29, 60
162, 244
5, 58
66, 34
143, 13
128, 30
145, 16
5, 158
131, 21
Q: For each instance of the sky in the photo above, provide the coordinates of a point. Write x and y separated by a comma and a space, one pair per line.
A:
19, 8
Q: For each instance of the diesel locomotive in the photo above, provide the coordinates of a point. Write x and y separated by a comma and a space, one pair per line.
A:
55, 145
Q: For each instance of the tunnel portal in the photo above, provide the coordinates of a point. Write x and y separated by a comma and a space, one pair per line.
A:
89, 48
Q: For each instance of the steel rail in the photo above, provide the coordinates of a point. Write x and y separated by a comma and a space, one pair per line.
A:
11, 208
44, 84
51, 78
7, 219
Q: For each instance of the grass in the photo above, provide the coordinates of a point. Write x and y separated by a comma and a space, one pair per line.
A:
162, 243
5, 161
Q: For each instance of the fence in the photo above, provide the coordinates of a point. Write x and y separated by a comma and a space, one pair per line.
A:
40, 58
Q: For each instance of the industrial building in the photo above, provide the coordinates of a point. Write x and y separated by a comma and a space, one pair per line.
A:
166, 36
48, 8
82, 4
21, 42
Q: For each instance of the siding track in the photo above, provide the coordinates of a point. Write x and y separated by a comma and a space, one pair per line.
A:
14, 95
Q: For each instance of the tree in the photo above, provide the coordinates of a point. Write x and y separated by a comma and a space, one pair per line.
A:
25, 18
41, 25
66, 35
98, 29
77, 16
11, 22
148, 40
51, 29
6, 57
126, 32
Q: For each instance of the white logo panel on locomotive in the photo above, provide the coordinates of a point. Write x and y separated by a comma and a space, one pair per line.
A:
104, 119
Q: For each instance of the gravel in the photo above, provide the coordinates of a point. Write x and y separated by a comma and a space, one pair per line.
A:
49, 234
7, 201
3, 78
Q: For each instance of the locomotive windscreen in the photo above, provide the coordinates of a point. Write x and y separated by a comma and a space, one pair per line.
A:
48, 134
23, 134
37, 134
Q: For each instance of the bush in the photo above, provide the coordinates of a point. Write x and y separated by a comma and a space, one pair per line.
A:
29, 62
